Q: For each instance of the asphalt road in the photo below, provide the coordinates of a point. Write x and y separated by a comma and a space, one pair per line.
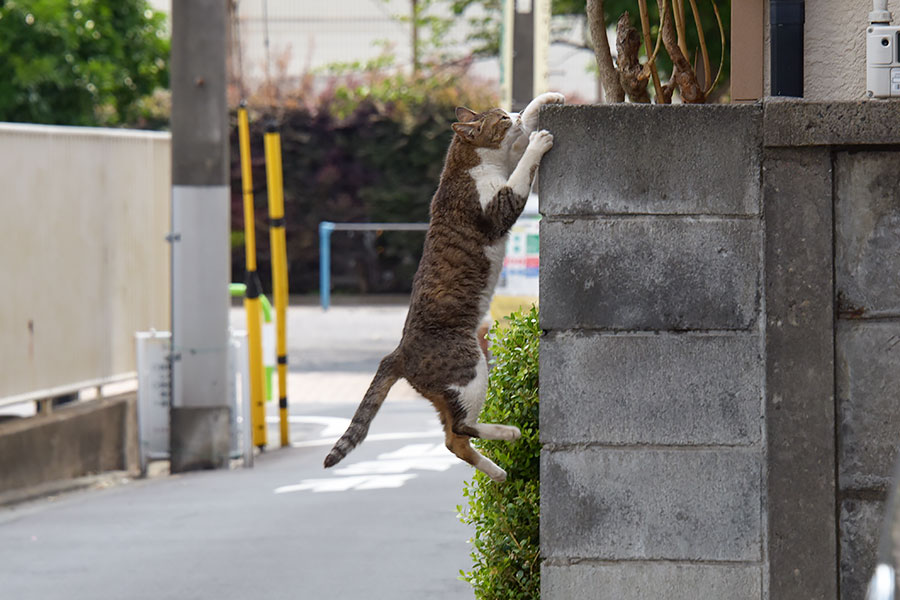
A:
382, 524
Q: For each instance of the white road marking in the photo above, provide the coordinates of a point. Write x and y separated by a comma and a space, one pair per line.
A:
336, 426
388, 471
343, 484
333, 425
375, 437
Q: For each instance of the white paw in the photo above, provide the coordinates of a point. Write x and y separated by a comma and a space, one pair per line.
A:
510, 432
540, 141
552, 98
499, 475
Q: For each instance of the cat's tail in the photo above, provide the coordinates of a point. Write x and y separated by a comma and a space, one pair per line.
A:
387, 375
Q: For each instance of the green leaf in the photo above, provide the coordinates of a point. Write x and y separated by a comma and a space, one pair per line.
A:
506, 517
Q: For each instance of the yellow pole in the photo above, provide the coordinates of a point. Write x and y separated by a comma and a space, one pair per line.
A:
254, 289
278, 246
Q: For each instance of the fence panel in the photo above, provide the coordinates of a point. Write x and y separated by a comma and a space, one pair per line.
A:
83, 217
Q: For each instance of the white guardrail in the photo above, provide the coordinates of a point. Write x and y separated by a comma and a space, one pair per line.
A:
84, 213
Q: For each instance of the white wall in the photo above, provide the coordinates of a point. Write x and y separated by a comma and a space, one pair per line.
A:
84, 263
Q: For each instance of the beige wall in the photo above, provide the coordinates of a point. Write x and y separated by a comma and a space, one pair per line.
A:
83, 218
835, 48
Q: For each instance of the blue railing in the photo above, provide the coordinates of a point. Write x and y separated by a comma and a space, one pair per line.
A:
326, 228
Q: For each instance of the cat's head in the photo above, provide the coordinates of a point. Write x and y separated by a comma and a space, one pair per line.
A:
494, 128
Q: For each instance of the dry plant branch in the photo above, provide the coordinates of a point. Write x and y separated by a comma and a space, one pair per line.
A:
704, 51
609, 78
680, 25
631, 72
682, 73
668, 91
715, 81
652, 59
645, 28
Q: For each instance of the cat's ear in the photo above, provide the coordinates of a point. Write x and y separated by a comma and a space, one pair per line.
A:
468, 131
465, 115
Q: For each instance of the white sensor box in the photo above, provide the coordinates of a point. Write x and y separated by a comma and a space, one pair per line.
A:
882, 61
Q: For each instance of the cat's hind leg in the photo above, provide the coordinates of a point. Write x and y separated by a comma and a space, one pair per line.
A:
470, 399
461, 446
459, 443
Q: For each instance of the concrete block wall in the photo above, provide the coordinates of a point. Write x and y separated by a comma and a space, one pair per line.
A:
720, 294
651, 371
867, 349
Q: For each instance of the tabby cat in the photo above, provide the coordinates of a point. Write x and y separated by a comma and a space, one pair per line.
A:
486, 180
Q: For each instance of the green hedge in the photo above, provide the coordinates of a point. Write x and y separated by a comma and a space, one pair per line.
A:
506, 516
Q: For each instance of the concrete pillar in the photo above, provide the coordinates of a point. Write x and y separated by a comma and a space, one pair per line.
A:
200, 225
799, 287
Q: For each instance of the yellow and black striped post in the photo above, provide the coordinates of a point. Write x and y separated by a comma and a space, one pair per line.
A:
278, 249
254, 289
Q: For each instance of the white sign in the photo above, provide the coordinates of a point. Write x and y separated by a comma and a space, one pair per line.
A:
154, 394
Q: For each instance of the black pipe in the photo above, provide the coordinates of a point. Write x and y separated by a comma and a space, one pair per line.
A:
786, 19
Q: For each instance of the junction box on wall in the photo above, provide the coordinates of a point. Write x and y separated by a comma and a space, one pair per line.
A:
882, 54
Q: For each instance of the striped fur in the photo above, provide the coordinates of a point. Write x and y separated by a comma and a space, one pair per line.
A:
485, 183
385, 377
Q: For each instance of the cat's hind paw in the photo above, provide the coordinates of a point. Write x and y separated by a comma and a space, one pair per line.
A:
510, 433
499, 476
489, 431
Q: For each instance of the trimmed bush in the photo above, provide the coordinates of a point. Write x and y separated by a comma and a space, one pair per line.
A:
506, 545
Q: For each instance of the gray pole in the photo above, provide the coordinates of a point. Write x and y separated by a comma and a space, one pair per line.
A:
200, 415
523, 56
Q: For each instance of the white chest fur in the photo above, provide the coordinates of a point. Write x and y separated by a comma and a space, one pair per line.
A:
489, 178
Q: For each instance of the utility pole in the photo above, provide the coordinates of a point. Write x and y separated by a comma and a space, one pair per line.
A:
200, 414
525, 42
523, 54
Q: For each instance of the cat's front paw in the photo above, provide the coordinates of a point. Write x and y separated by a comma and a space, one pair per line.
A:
540, 141
552, 98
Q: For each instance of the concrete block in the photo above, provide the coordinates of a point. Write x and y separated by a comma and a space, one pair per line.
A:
867, 233
693, 389
650, 581
601, 164
650, 273
201, 437
800, 374
651, 504
792, 122
868, 380
861, 522
74, 441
